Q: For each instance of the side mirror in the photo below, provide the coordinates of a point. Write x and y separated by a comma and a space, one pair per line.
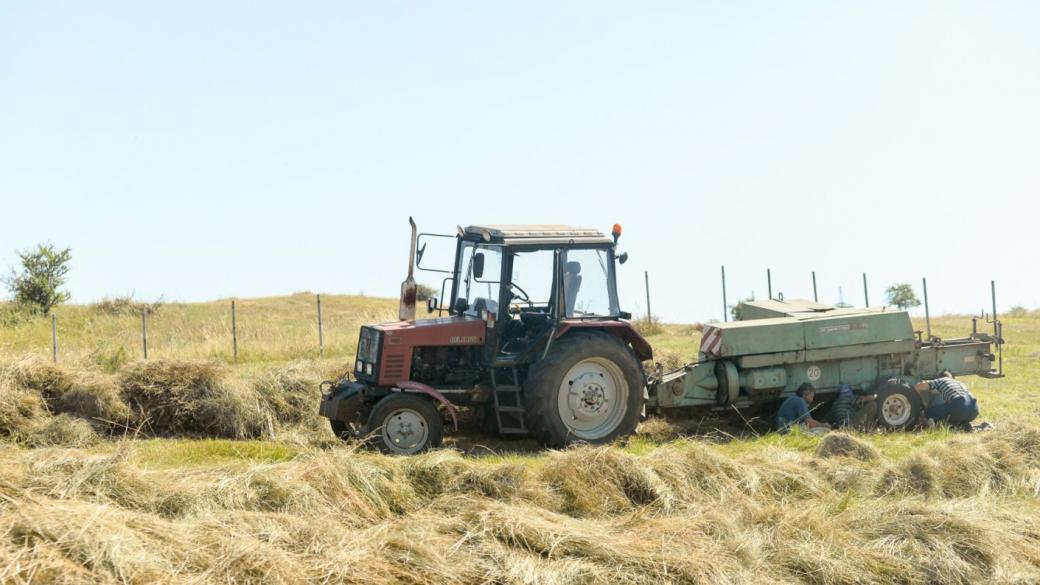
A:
432, 304
622, 258
460, 305
478, 264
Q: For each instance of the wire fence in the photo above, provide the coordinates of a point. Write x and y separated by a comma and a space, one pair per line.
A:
145, 313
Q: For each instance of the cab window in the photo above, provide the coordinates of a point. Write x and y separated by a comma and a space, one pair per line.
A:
587, 284
481, 269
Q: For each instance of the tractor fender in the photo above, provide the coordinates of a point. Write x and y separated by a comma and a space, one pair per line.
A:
345, 402
620, 329
420, 388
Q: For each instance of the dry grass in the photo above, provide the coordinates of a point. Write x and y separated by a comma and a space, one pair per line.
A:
682, 513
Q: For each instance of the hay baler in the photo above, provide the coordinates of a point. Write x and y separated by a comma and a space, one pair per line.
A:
780, 344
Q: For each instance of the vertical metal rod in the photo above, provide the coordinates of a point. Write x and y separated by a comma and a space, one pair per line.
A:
144, 332
997, 328
993, 295
815, 297
725, 305
321, 336
866, 297
769, 283
234, 333
927, 315
649, 315
54, 337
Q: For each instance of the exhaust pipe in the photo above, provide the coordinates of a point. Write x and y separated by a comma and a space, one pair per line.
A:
408, 287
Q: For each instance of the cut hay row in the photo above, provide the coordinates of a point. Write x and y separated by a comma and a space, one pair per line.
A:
964, 511
42, 404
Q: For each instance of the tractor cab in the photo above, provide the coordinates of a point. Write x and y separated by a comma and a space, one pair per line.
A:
526, 281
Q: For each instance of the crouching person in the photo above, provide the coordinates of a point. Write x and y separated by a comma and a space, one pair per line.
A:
954, 404
843, 407
795, 412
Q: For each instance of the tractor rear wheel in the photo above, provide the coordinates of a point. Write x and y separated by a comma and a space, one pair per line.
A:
898, 406
404, 424
588, 389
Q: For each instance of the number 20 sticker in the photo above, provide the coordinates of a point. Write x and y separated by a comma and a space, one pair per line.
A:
813, 373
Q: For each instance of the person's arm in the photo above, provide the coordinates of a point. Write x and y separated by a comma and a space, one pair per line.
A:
805, 416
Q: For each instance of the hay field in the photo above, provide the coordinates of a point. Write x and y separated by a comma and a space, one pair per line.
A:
187, 469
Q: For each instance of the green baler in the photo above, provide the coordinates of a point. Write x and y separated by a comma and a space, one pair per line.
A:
780, 344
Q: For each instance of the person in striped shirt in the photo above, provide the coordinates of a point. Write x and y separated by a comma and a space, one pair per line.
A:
953, 405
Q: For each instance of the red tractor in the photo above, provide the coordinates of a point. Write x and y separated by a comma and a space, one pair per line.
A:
534, 341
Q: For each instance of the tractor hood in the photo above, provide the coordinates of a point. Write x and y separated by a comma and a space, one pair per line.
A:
396, 341
438, 331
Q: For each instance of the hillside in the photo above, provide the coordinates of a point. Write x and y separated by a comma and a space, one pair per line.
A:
238, 481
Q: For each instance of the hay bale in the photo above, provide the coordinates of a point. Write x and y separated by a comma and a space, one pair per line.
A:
40, 376
597, 481
19, 411
178, 397
843, 445
291, 394
914, 476
60, 431
96, 399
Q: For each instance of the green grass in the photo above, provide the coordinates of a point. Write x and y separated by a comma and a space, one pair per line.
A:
175, 453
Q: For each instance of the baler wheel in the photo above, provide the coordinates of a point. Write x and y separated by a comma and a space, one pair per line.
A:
898, 406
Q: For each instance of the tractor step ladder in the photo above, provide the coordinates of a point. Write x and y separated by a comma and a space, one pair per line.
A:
509, 405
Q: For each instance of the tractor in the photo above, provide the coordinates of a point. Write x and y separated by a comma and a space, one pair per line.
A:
533, 341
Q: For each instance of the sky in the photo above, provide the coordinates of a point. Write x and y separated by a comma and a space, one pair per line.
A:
200, 150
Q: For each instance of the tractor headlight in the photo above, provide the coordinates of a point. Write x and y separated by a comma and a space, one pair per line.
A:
359, 366
368, 345
368, 369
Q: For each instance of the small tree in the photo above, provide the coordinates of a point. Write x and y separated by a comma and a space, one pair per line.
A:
424, 292
902, 295
43, 273
737, 310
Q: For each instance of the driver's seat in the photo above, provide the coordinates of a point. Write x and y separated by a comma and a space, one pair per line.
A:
572, 282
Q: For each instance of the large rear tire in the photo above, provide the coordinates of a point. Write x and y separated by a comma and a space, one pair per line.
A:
588, 389
405, 424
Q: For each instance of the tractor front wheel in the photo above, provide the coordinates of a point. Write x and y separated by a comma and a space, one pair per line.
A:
589, 389
405, 424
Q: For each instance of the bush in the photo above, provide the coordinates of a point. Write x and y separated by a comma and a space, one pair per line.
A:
125, 306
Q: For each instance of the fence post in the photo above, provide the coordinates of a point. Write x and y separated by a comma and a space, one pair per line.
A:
54, 336
321, 336
234, 334
649, 314
769, 282
927, 314
866, 297
725, 305
815, 297
144, 331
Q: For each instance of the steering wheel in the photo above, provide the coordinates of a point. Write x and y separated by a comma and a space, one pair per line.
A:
525, 298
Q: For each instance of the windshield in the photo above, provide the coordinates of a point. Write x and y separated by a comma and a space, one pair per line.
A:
480, 290
587, 279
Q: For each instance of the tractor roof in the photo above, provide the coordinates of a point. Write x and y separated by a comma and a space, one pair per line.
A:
536, 234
